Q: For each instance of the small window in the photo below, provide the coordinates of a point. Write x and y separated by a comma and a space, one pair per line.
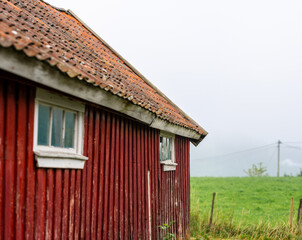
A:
166, 148
56, 126
59, 128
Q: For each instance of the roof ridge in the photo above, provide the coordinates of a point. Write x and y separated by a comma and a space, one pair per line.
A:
57, 8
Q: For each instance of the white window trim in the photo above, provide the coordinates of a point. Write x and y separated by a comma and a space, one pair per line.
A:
57, 157
169, 164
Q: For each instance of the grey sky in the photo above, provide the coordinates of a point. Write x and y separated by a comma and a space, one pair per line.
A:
233, 66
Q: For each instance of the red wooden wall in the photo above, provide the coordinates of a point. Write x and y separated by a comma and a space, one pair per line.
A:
108, 199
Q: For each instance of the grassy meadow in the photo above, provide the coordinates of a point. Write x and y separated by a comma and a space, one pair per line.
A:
245, 207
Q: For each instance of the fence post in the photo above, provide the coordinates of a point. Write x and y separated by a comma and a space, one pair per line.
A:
299, 213
212, 210
291, 214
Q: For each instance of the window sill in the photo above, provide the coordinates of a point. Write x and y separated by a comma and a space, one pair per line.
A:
63, 160
168, 165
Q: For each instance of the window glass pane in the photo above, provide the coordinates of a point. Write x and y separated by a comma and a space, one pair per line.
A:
168, 148
164, 148
43, 125
69, 129
57, 128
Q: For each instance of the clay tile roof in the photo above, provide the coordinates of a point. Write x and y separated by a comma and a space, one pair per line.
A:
57, 37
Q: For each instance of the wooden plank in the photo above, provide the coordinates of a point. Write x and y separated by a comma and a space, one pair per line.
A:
101, 176
126, 179
40, 204
89, 165
21, 163
95, 168
2, 130
135, 190
77, 214
184, 188
152, 184
65, 204
173, 191
162, 190
143, 185
84, 177
168, 197
146, 187
188, 182
71, 213
165, 197
187, 188
58, 205
122, 180
49, 204
107, 168
9, 170
139, 183
155, 181
179, 187
111, 180
176, 185
161, 204
30, 170
131, 170
115, 184
170, 213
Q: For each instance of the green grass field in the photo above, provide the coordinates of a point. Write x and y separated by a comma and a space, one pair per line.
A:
245, 201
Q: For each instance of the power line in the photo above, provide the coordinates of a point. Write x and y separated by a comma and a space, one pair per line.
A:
293, 147
243, 151
271, 158
293, 142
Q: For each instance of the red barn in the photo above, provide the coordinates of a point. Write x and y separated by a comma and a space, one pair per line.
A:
89, 148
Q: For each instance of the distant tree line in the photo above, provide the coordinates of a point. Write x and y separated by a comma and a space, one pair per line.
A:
290, 175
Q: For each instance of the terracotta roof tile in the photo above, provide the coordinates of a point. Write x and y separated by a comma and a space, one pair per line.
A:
56, 37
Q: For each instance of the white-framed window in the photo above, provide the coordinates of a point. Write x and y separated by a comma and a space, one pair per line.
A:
58, 131
167, 151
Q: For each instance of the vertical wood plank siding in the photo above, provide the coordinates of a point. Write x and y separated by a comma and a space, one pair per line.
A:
108, 199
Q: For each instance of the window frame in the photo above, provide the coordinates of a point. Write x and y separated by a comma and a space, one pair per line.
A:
169, 164
60, 157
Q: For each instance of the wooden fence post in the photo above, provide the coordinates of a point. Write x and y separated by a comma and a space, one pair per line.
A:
299, 213
291, 214
212, 210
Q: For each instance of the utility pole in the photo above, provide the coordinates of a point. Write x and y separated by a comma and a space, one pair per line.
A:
278, 171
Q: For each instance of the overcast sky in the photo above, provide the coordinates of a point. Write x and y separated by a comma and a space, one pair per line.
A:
233, 66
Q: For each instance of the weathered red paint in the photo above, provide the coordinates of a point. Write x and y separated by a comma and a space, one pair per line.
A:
2, 128
116, 184
95, 181
108, 199
9, 153
49, 205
